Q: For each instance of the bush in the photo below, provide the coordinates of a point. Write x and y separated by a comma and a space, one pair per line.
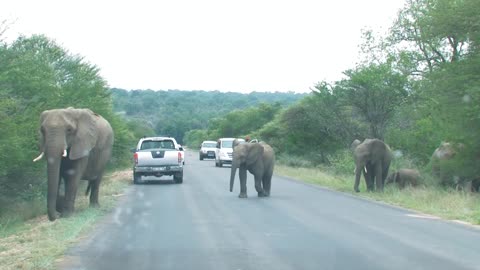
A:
342, 162
294, 161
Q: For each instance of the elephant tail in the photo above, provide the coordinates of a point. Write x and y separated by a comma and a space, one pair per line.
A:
88, 188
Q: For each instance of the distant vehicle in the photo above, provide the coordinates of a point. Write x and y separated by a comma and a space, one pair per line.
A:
224, 151
182, 150
207, 149
158, 156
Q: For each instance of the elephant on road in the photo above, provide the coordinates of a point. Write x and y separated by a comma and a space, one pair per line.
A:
77, 144
373, 157
259, 160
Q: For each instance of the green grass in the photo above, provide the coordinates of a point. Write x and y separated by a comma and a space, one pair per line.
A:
447, 204
38, 243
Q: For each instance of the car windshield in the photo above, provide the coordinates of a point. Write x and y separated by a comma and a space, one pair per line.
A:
149, 144
209, 145
227, 144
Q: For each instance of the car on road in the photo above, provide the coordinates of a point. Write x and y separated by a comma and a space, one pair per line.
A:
157, 156
207, 149
224, 151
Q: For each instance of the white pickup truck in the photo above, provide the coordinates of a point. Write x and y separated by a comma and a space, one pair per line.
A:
158, 156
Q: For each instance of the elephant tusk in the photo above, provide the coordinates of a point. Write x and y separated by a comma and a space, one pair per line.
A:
365, 169
38, 158
64, 153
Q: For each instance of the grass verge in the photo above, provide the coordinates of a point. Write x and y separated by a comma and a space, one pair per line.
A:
36, 244
447, 204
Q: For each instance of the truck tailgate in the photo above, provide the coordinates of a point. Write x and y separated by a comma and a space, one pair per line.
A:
157, 157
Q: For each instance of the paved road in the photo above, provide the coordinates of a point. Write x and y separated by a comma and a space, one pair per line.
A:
200, 225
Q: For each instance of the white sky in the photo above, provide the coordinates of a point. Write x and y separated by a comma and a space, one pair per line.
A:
240, 46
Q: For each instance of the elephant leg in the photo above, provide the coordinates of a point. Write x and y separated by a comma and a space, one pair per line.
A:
378, 177
94, 190
73, 174
267, 183
258, 185
369, 175
242, 173
358, 173
60, 204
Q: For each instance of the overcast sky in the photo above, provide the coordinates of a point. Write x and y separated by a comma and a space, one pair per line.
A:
240, 46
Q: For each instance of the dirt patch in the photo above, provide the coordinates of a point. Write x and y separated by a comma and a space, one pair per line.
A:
123, 175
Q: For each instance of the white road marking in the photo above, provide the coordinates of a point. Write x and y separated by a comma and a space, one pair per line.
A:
422, 216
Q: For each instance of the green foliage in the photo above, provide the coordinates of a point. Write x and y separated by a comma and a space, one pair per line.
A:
194, 138
342, 162
244, 122
443, 37
374, 92
175, 113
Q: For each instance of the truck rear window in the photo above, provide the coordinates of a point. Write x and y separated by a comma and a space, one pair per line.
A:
148, 144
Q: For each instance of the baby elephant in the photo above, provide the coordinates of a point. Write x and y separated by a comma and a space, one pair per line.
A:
404, 177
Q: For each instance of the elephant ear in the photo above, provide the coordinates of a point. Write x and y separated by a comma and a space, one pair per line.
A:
85, 137
255, 152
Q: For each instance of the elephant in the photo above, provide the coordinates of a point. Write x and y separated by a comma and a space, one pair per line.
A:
77, 144
404, 177
373, 157
443, 162
446, 167
259, 160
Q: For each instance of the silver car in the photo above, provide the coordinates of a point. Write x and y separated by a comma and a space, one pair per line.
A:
207, 149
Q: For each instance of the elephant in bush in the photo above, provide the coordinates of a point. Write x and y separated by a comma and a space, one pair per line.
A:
404, 177
77, 144
373, 157
259, 160
443, 163
449, 168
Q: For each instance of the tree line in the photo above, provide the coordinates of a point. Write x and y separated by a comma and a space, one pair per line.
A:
175, 112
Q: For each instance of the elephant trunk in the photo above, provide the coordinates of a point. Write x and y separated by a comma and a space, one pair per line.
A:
232, 176
53, 171
54, 152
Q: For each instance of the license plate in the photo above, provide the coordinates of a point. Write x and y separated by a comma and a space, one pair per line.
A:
159, 168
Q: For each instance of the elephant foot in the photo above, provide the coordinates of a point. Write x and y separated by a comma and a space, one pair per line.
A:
262, 194
66, 214
243, 195
94, 205
60, 205
357, 190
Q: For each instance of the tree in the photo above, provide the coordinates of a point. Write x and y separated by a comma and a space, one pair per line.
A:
374, 92
433, 31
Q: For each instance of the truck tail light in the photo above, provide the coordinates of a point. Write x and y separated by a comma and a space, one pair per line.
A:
135, 158
179, 157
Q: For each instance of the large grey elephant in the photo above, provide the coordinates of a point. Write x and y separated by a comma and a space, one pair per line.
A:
447, 167
77, 144
373, 157
259, 160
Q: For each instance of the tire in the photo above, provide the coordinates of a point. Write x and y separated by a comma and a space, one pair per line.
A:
216, 163
220, 164
178, 178
201, 157
136, 178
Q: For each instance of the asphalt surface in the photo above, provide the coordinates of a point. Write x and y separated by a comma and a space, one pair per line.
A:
201, 225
